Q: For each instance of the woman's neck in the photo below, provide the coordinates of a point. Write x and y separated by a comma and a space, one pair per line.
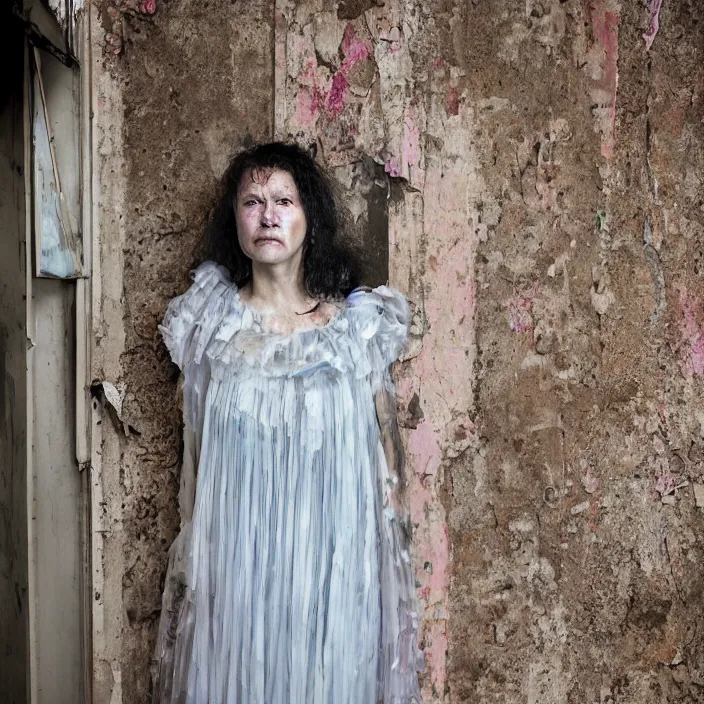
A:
277, 290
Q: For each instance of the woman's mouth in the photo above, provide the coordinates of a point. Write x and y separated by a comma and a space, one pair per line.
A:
267, 240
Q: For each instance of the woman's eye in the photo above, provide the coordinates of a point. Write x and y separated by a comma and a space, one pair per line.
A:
285, 201
250, 202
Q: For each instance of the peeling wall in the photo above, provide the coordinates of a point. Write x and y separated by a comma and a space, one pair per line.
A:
375, 84
576, 521
188, 85
529, 173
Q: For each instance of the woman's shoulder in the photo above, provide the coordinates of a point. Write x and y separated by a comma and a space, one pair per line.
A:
210, 281
194, 314
382, 316
210, 272
381, 305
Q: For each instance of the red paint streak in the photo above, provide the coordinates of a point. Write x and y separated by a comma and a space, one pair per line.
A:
336, 96
453, 101
692, 333
605, 26
354, 51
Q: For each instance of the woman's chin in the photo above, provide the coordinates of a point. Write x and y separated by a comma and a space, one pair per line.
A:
270, 257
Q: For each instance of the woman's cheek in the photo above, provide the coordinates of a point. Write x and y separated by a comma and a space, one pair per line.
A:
251, 215
294, 222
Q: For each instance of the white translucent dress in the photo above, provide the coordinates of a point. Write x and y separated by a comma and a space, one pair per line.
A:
290, 583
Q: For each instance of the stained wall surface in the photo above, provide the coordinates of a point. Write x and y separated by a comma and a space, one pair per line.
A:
576, 519
531, 172
189, 84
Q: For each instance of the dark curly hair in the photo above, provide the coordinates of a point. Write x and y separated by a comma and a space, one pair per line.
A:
330, 267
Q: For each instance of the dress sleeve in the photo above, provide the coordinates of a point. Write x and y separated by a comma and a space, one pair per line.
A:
191, 318
382, 317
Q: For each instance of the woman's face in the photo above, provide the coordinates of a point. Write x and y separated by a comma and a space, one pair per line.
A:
271, 224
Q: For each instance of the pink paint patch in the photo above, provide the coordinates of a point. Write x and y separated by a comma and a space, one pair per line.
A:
307, 107
423, 444
653, 24
520, 311
148, 6
337, 94
692, 334
435, 654
410, 154
605, 26
437, 552
393, 38
311, 96
432, 540
666, 484
400, 166
393, 166
353, 48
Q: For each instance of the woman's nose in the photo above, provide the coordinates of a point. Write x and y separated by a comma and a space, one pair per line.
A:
269, 215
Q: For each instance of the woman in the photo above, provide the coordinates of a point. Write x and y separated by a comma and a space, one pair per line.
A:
290, 583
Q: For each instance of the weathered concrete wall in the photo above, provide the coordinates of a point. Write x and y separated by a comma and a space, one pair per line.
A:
576, 538
377, 85
190, 83
534, 171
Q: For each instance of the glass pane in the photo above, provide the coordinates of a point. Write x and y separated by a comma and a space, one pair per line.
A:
55, 169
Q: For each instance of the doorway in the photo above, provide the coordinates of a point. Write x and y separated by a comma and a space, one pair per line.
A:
42, 491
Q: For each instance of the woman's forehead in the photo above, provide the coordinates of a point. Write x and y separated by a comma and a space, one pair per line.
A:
266, 178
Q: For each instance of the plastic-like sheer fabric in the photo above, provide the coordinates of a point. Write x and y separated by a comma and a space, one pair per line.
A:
291, 582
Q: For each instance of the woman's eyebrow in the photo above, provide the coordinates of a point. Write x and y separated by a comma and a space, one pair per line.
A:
276, 195
249, 194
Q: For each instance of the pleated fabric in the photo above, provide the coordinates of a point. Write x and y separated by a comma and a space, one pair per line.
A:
291, 583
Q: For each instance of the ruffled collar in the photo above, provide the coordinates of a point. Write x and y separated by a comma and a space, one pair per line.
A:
240, 342
252, 318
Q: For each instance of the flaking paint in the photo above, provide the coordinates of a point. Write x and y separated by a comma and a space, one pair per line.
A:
605, 20
536, 458
431, 256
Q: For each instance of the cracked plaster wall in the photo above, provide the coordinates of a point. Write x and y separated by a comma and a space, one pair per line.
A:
532, 171
575, 519
190, 83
